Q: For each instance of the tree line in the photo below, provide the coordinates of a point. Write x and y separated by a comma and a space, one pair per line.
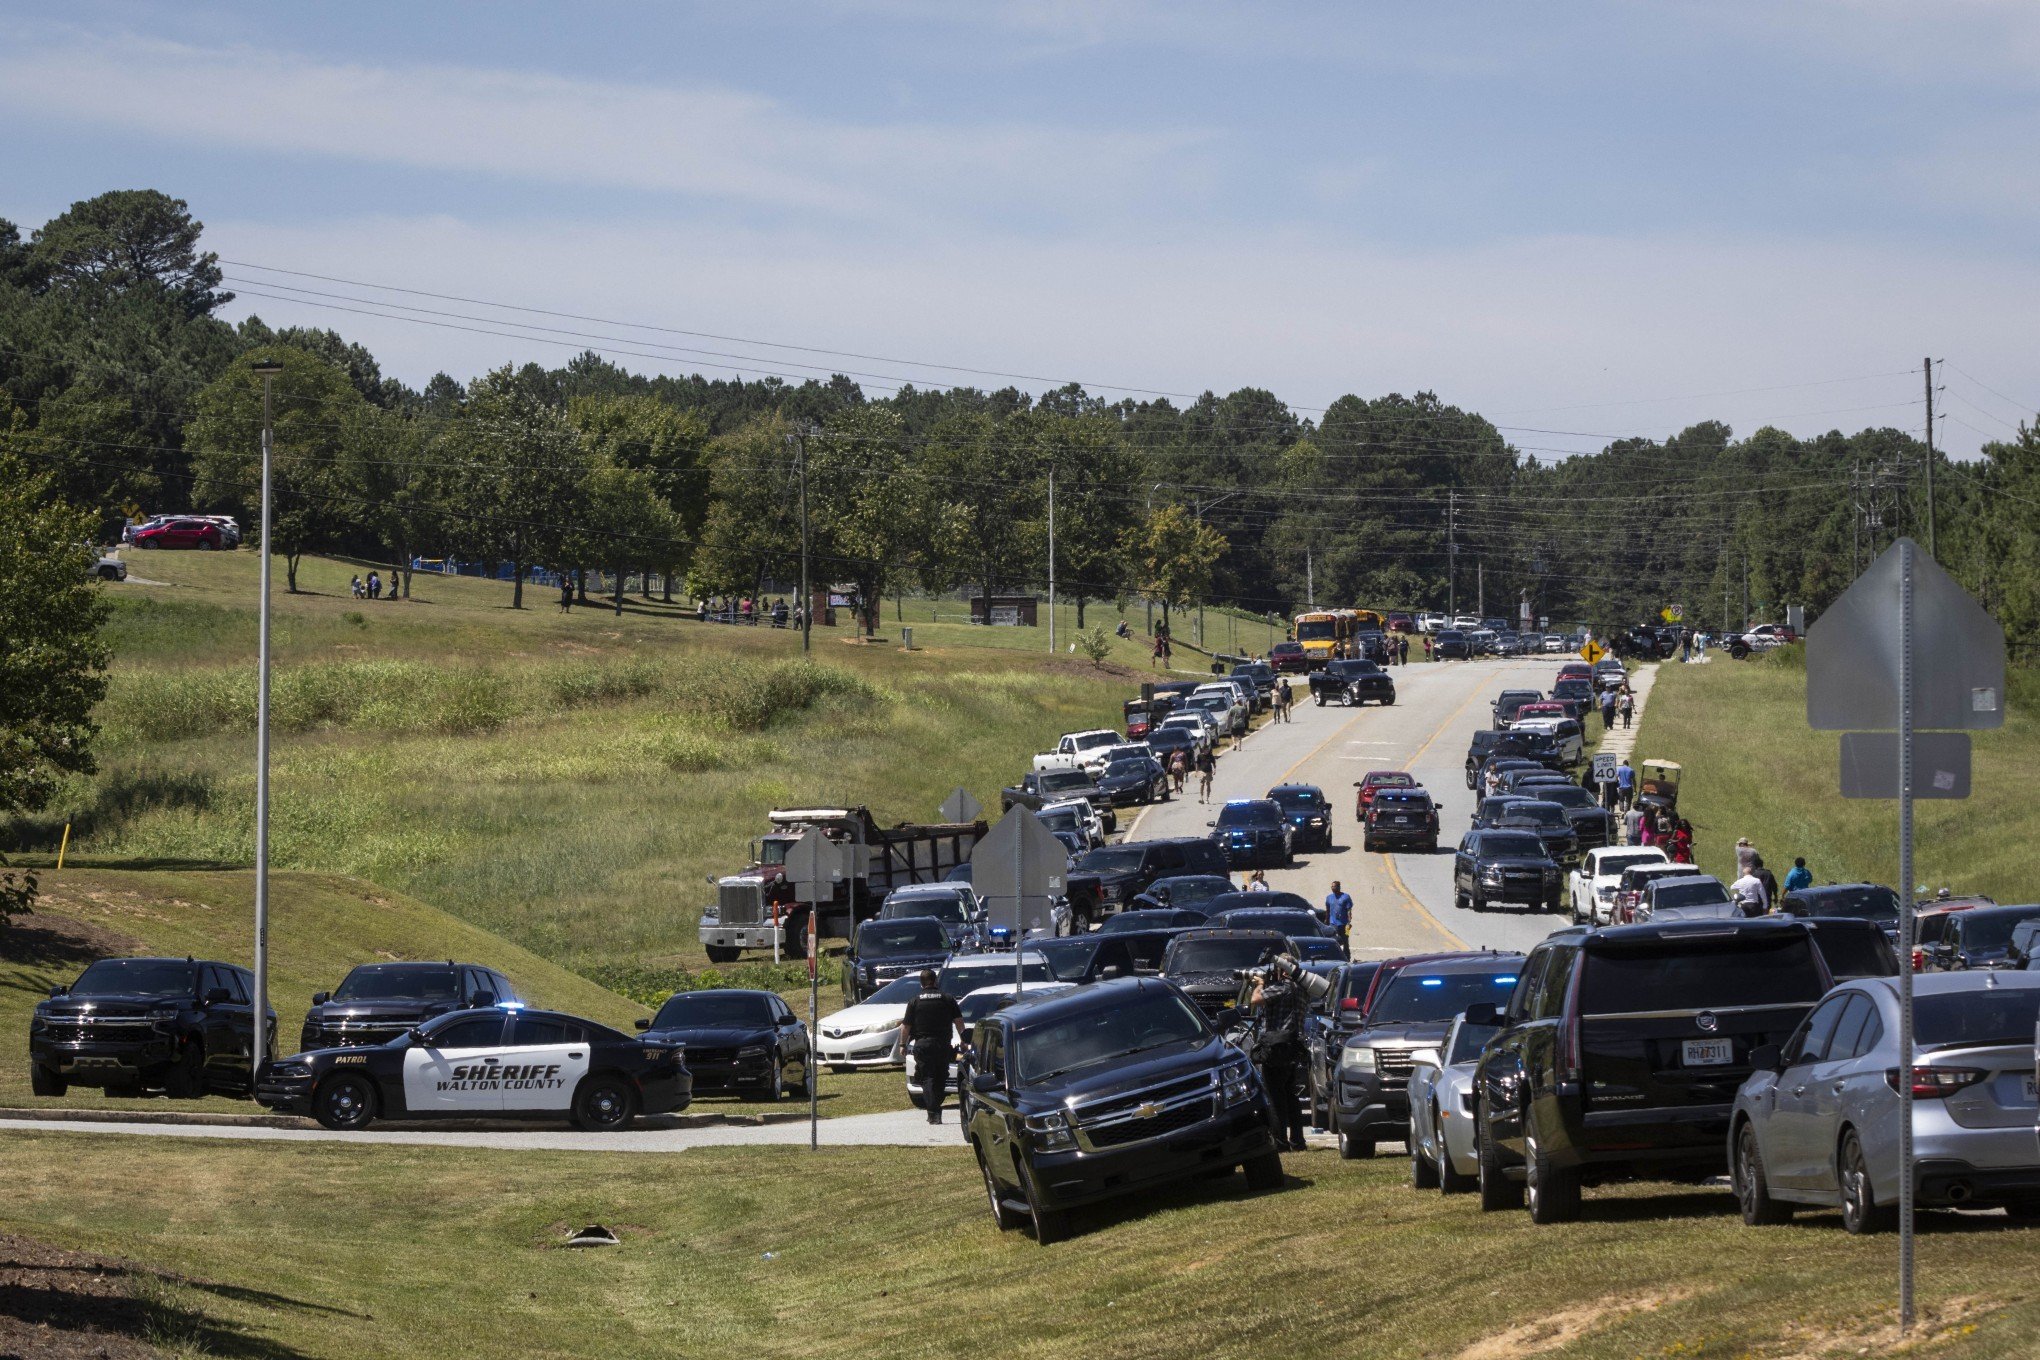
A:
123, 389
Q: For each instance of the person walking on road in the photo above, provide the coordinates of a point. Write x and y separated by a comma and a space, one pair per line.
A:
930, 1029
1207, 765
1259, 882
1798, 876
1628, 707
1279, 996
1282, 701
1402, 650
1339, 916
1179, 770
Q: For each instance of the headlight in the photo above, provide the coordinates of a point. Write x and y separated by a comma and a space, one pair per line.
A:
1492, 874
755, 1051
882, 1027
1236, 1083
289, 1071
36, 1022
1051, 1131
164, 1019
1356, 1058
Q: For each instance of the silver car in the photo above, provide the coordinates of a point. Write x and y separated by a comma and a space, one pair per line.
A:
1817, 1123
1442, 1154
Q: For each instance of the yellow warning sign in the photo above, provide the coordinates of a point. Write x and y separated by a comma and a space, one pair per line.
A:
1592, 652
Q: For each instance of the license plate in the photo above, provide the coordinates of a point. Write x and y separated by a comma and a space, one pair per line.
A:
1708, 1052
96, 1063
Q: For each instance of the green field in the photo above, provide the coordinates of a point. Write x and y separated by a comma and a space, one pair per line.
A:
353, 1251
1753, 768
567, 781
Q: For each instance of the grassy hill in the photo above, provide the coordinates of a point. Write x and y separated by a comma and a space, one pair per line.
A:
1753, 768
565, 781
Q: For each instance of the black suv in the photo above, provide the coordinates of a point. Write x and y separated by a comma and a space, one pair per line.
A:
884, 950
182, 1026
1404, 817
1253, 832
1326, 1023
1308, 812
1206, 964
1621, 1051
1505, 866
1864, 901
1353, 682
1111, 876
1510, 701
1981, 938
1108, 1090
1547, 821
1592, 824
1535, 746
1412, 1011
376, 1002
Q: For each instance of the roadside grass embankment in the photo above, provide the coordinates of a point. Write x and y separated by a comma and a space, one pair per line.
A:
1753, 768
776, 1252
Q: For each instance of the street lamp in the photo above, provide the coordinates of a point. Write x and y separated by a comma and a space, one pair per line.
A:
1150, 598
268, 369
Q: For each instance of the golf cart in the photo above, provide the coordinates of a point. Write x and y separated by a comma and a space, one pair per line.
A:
1657, 785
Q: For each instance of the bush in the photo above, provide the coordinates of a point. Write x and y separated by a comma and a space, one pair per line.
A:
1095, 643
649, 986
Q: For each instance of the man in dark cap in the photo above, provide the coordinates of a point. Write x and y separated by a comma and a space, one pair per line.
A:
927, 1029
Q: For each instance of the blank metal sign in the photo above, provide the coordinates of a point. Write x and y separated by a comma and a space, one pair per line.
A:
1870, 764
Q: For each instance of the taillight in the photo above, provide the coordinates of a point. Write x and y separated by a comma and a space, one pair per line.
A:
1919, 960
1933, 1083
1351, 1003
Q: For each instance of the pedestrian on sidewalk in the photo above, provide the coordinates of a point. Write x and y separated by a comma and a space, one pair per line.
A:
1628, 707
1282, 698
1608, 711
1632, 826
1798, 876
1625, 784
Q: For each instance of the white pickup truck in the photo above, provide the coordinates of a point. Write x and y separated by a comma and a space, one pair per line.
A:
1080, 751
1591, 887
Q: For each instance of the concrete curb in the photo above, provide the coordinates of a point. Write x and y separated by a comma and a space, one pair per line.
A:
200, 1119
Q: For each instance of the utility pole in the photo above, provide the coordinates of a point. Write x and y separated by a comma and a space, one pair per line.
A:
1051, 559
1452, 553
1309, 582
807, 594
1927, 366
1480, 588
269, 369
1150, 598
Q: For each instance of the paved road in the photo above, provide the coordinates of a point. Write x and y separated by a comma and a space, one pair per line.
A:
1402, 903
900, 1128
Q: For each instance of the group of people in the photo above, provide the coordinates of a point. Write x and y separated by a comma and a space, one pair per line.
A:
744, 609
1182, 763
372, 588
1660, 827
1756, 888
1617, 701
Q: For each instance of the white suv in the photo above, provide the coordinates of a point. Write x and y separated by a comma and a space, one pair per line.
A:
1591, 887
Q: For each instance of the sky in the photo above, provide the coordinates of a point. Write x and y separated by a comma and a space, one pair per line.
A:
1584, 221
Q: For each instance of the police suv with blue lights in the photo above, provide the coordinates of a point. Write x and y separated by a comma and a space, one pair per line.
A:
502, 1062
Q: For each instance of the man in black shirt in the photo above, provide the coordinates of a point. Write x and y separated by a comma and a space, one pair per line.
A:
930, 1020
1281, 991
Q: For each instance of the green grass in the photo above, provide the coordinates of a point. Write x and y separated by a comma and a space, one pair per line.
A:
566, 781
1753, 768
322, 925
393, 1251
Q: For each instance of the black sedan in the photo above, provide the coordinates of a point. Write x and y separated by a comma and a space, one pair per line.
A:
505, 1063
735, 1039
1504, 866
1135, 779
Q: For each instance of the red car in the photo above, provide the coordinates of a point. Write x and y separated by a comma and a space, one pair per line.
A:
1289, 658
180, 533
1399, 622
1376, 780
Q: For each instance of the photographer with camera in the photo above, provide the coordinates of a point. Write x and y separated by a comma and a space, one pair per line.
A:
1281, 989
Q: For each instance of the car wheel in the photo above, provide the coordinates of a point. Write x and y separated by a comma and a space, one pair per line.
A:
185, 1078
1451, 1180
1423, 1176
345, 1103
1553, 1195
722, 953
205, 546
43, 1082
1264, 1172
1354, 1148
1497, 1191
605, 1104
1050, 1225
1752, 1188
1861, 1212
775, 1085
1479, 902
1320, 1110
1460, 901
1003, 1216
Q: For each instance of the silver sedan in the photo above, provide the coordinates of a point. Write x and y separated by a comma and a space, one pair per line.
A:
1817, 1123
1442, 1154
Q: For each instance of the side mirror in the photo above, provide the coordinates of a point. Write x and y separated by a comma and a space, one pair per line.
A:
61, 989
643, 1022
786, 1020
1483, 1013
1767, 1058
415, 1035
986, 1083
217, 996
482, 1000
321, 998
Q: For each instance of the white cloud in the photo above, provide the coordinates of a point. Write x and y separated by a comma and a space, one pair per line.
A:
714, 144
1552, 327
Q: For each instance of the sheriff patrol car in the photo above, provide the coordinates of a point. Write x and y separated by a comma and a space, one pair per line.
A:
503, 1062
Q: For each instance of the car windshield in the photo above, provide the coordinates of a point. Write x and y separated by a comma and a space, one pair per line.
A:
1395, 780
1210, 703
1468, 1041
1129, 767
137, 977
1217, 956
898, 992
714, 1010
1414, 999
1354, 982
1092, 740
1316, 630
1061, 819
1990, 929
1976, 1019
1572, 689
1288, 922
961, 979
1057, 780
1531, 814
984, 1001
1301, 799
398, 984
1567, 796
1259, 812
1687, 894
1517, 846
1869, 903
1403, 802
1110, 859
1855, 951
1702, 974
1144, 920
1068, 958
920, 935
1099, 1034
942, 907
1611, 865
1193, 891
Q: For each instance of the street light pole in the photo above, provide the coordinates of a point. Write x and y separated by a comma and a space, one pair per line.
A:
1150, 598
268, 369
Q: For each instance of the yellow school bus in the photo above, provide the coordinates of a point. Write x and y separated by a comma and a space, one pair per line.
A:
1325, 634
1368, 621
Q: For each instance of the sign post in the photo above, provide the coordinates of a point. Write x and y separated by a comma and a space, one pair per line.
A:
815, 865
1905, 648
